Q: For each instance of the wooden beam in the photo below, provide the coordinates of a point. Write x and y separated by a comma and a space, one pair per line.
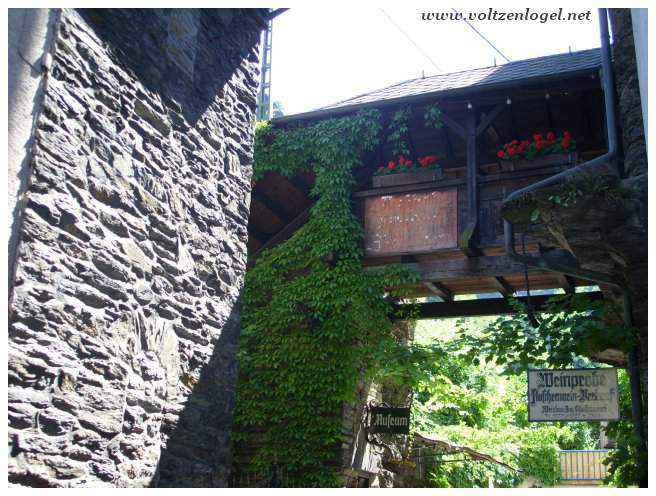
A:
449, 183
492, 132
453, 125
502, 286
257, 234
440, 290
485, 266
482, 307
271, 206
285, 233
300, 184
489, 118
566, 283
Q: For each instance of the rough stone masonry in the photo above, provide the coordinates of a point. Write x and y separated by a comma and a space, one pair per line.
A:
123, 312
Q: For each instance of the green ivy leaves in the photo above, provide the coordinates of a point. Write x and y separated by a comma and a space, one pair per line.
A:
313, 319
398, 130
433, 117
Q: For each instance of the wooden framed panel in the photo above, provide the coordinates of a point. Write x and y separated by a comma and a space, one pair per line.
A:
411, 223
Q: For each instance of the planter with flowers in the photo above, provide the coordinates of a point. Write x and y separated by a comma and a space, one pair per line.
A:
406, 171
540, 151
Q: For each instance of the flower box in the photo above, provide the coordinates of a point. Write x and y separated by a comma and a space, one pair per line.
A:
544, 161
401, 178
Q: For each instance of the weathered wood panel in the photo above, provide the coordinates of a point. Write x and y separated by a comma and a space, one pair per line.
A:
411, 223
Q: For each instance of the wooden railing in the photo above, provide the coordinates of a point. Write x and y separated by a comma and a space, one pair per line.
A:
583, 465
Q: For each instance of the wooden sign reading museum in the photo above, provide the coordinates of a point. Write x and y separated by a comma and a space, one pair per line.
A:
572, 394
390, 420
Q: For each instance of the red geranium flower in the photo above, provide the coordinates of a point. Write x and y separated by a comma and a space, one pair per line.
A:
501, 154
391, 165
537, 137
404, 161
551, 136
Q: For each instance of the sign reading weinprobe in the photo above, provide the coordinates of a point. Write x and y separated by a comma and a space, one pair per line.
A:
572, 394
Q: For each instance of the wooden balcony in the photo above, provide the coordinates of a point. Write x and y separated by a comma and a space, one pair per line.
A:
448, 226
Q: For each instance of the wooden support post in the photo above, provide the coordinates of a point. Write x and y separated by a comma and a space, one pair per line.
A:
550, 121
503, 287
566, 283
381, 145
513, 123
440, 290
449, 145
467, 239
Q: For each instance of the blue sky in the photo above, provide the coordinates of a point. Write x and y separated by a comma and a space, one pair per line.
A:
321, 56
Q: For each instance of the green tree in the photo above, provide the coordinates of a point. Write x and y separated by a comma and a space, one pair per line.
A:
278, 109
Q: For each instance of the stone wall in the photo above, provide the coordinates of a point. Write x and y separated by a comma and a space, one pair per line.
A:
632, 239
625, 70
30, 36
124, 310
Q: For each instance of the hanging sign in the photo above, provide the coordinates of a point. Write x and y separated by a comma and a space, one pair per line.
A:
573, 394
418, 222
389, 420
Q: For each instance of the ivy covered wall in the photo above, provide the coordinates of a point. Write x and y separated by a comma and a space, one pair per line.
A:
314, 319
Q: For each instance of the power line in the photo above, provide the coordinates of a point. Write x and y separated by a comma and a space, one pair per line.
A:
481, 35
421, 50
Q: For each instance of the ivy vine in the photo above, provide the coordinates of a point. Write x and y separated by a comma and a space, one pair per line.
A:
314, 319
433, 117
398, 131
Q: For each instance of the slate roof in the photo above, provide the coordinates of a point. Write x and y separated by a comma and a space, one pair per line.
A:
549, 66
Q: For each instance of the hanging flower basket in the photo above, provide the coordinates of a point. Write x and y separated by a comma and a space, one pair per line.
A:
405, 171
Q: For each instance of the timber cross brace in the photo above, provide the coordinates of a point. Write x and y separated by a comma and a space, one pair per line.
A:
467, 240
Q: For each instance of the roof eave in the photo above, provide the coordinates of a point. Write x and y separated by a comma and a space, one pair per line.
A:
468, 90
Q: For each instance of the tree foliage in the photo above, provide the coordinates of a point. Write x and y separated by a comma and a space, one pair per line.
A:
475, 403
622, 463
570, 327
